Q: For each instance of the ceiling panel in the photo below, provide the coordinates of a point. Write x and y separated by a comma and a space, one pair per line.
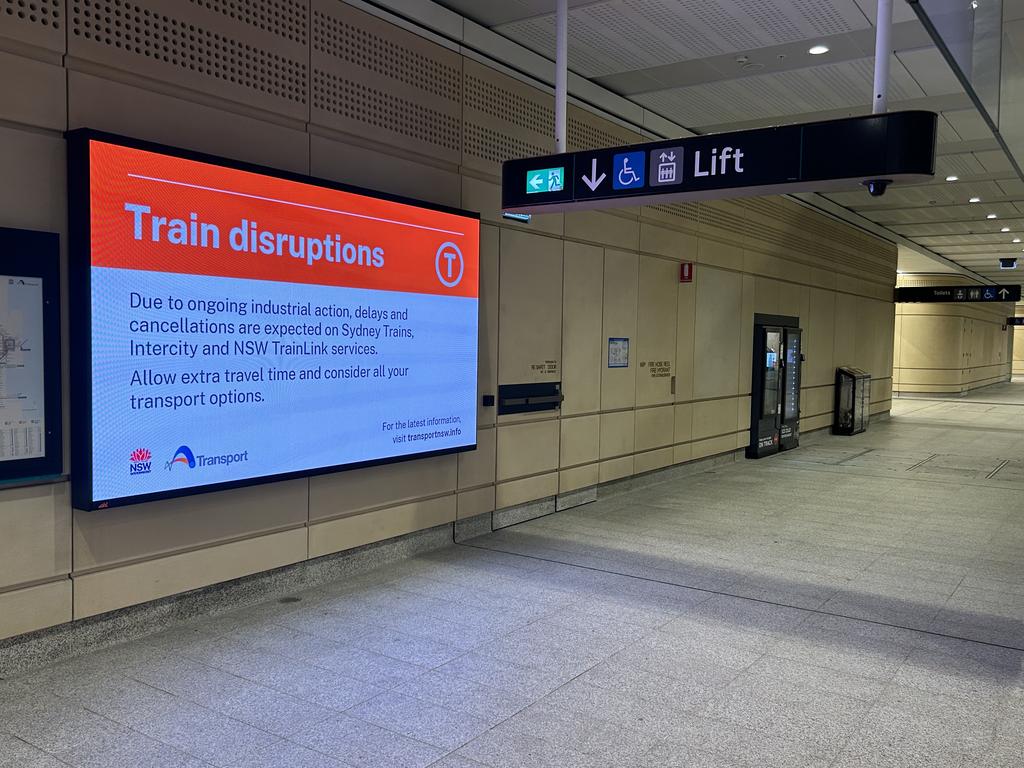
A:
962, 165
945, 193
969, 124
841, 85
930, 70
995, 161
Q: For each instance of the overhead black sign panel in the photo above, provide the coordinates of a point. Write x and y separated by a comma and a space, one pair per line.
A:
958, 293
1015, 321
824, 156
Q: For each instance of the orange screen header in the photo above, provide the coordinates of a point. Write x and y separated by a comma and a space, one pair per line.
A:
162, 213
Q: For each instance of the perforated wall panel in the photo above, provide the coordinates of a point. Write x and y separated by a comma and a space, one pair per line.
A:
253, 53
37, 22
503, 119
375, 80
585, 130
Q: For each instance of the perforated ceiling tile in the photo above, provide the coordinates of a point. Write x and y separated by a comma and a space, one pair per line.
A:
38, 22
588, 131
195, 47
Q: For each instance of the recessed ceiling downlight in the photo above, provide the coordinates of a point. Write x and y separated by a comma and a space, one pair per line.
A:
990, 216
817, 50
952, 178
974, 200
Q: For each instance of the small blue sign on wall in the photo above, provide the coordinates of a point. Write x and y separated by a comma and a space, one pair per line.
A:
618, 353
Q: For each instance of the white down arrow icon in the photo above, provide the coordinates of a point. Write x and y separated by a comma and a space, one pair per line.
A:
594, 181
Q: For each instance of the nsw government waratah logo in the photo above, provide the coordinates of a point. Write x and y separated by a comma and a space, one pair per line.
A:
140, 462
182, 456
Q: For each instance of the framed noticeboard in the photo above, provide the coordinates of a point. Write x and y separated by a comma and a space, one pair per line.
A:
30, 378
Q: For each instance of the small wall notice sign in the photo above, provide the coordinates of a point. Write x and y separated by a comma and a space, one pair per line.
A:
618, 353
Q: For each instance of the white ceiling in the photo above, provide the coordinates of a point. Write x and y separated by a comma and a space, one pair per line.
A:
714, 65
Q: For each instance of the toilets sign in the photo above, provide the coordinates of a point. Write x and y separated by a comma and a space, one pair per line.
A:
824, 156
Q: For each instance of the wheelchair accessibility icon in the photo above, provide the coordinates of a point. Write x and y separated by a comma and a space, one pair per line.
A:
628, 170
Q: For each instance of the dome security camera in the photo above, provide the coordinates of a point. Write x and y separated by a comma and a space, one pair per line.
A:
877, 187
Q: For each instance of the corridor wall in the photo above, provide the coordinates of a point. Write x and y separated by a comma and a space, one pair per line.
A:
950, 348
321, 87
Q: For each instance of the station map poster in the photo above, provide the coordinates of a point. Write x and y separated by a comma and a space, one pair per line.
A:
239, 324
30, 408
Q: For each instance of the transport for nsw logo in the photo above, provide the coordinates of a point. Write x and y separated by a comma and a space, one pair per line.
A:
140, 462
182, 456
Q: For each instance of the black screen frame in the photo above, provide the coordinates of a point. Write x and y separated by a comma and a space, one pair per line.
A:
30, 253
80, 296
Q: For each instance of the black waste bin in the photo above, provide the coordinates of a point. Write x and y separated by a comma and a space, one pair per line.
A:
853, 401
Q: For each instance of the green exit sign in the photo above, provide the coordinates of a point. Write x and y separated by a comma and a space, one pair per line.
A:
545, 180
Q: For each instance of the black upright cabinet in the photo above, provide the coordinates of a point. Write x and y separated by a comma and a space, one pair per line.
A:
775, 390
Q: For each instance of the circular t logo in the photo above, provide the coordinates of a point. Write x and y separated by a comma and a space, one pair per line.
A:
449, 265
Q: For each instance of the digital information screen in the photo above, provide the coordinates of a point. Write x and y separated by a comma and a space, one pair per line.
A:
244, 325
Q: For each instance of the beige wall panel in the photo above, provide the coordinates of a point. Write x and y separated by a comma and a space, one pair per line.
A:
26, 610
527, 449
931, 342
105, 105
582, 345
682, 453
683, 423
743, 415
372, 78
652, 460
33, 92
846, 330
819, 334
357, 530
717, 336
530, 314
205, 47
714, 417
487, 354
656, 330
767, 296
618, 385
717, 445
614, 469
578, 477
345, 493
484, 197
686, 304
609, 229
881, 390
882, 407
517, 492
115, 588
350, 164
580, 440
665, 241
812, 423
478, 467
794, 301
746, 348
815, 401
618, 433
35, 533
476, 502
719, 254
655, 427
109, 536
36, 167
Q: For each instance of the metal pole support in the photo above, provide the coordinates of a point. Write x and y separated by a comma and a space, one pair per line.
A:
561, 71
883, 52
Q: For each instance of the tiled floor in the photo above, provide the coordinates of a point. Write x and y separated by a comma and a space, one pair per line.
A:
856, 603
